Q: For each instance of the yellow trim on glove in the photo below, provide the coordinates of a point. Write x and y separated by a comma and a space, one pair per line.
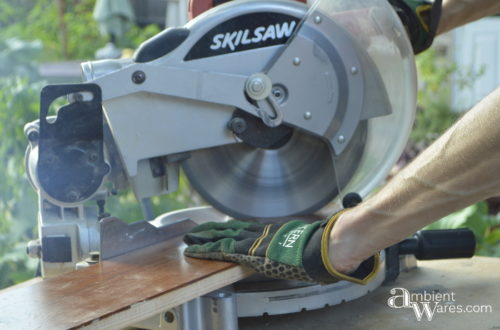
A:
326, 259
420, 10
259, 240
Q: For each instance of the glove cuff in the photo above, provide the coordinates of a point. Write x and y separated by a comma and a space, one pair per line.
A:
421, 19
317, 262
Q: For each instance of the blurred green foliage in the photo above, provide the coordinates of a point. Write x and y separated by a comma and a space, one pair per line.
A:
434, 116
29, 35
19, 90
434, 113
39, 20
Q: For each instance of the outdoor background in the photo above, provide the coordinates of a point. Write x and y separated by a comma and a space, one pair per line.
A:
45, 31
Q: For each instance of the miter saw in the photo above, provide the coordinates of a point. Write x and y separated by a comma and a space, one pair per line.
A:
272, 109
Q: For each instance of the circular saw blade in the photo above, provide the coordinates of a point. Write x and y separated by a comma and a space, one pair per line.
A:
298, 178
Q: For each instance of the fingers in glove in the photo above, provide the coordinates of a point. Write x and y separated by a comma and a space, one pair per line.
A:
213, 235
231, 224
225, 245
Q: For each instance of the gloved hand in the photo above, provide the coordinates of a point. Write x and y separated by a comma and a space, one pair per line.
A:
421, 19
296, 250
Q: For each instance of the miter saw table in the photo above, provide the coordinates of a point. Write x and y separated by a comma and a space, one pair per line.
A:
140, 288
474, 282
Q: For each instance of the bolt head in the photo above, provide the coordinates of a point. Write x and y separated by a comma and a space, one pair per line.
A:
33, 136
296, 61
257, 85
73, 195
138, 77
354, 70
307, 115
341, 139
238, 125
93, 157
34, 249
317, 19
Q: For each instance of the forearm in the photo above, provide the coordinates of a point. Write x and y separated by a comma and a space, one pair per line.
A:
459, 12
460, 168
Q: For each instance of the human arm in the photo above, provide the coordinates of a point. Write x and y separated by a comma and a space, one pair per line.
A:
456, 13
460, 168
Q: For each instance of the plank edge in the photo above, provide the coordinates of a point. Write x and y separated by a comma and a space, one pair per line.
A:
150, 307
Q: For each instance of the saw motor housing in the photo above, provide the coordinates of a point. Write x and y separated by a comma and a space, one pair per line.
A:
272, 108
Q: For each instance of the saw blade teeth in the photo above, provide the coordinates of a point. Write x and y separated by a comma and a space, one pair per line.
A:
298, 178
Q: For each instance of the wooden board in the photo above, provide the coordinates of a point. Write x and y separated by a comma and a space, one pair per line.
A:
117, 292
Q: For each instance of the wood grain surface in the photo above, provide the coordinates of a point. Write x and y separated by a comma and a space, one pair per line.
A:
116, 292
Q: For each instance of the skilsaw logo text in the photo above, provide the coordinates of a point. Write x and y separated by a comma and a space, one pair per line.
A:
233, 39
244, 32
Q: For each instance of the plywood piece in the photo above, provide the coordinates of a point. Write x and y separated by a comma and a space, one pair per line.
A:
117, 292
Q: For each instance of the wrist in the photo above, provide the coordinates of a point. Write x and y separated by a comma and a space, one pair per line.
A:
344, 245
319, 250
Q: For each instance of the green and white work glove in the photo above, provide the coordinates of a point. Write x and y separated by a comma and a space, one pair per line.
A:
421, 19
295, 250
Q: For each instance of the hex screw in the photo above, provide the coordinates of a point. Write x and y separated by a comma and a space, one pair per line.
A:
237, 125
33, 136
72, 195
169, 317
34, 249
93, 157
138, 77
257, 86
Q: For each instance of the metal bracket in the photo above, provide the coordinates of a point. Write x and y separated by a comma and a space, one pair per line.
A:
118, 237
214, 311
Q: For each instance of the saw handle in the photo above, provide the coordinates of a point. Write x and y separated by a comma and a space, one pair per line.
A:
440, 244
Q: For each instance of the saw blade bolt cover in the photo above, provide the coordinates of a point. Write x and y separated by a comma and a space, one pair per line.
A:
258, 86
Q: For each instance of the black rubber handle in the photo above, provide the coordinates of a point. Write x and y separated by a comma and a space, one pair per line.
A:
440, 244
